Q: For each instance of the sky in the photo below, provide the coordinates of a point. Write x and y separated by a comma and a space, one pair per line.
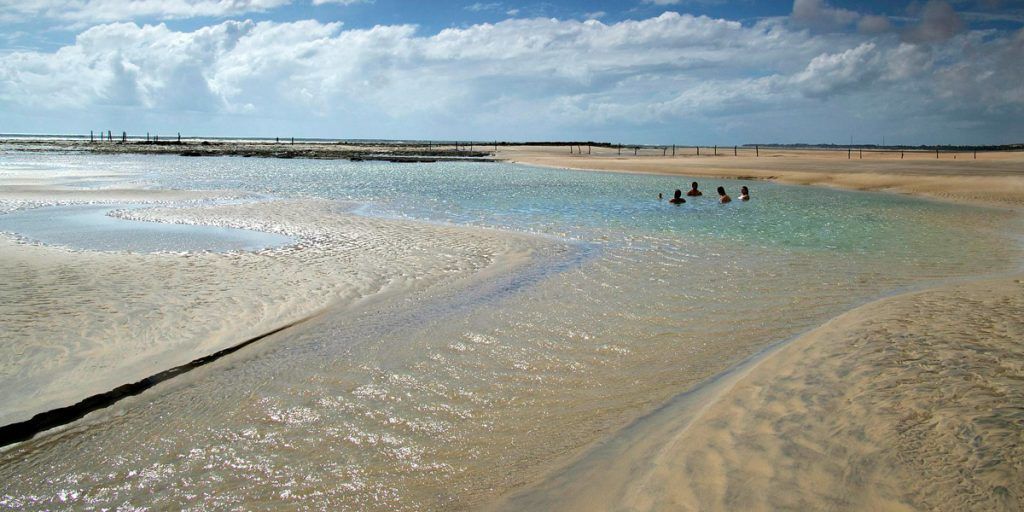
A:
627, 71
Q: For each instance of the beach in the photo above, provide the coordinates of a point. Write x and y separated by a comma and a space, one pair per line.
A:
991, 178
115, 317
907, 403
465, 335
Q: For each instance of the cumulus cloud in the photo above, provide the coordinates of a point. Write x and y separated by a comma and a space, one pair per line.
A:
519, 78
874, 24
818, 14
938, 22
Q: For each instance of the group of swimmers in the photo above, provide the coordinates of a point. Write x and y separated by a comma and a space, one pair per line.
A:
693, 192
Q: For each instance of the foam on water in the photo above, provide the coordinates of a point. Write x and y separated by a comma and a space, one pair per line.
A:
439, 399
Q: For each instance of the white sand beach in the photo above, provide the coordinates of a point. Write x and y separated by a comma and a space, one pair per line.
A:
913, 402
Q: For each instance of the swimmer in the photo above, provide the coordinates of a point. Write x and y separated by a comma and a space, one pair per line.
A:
678, 199
722, 196
744, 194
693, 190
659, 196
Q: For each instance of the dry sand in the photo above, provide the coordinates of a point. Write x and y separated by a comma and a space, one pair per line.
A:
77, 323
910, 403
994, 178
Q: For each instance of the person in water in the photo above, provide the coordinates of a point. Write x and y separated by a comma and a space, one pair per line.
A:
744, 194
678, 199
659, 196
722, 196
693, 190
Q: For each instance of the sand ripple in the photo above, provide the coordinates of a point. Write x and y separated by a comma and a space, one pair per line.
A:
77, 323
911, 403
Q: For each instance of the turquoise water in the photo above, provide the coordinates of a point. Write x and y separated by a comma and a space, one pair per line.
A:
595, 207
428, 403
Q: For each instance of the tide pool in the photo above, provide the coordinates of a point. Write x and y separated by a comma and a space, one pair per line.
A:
90, 227
431, 401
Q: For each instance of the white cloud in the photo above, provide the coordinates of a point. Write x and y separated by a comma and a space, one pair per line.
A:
661, 2
938, 22
595, 15
818, 14
91, 11
874, 24
479, 6
342, 2
520, 78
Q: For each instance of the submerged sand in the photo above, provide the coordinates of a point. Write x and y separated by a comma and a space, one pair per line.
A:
910, 403
117, 317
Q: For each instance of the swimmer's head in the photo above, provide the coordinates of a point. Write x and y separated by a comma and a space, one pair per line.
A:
679, 193
693, 185
721, 191
744, 191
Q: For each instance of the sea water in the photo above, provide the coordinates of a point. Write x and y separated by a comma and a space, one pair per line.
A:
450, 401
92, 227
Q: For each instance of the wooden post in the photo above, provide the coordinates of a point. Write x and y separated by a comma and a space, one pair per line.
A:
179, 137
757, 150
861, 152
110, 136
588, 149
734, 151
293, 141
570, 149
901, 155
936, 154
620, 149
849, 153
975, 154
673, 150
664, 150
124, 137
90, 136
716, 149
698, 150
635, 150
471, 146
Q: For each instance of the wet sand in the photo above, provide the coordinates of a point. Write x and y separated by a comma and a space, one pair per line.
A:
118, 317
796, 445
909, 403
994, 178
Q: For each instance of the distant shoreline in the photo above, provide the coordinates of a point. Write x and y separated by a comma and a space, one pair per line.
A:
99, 138
983, 179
